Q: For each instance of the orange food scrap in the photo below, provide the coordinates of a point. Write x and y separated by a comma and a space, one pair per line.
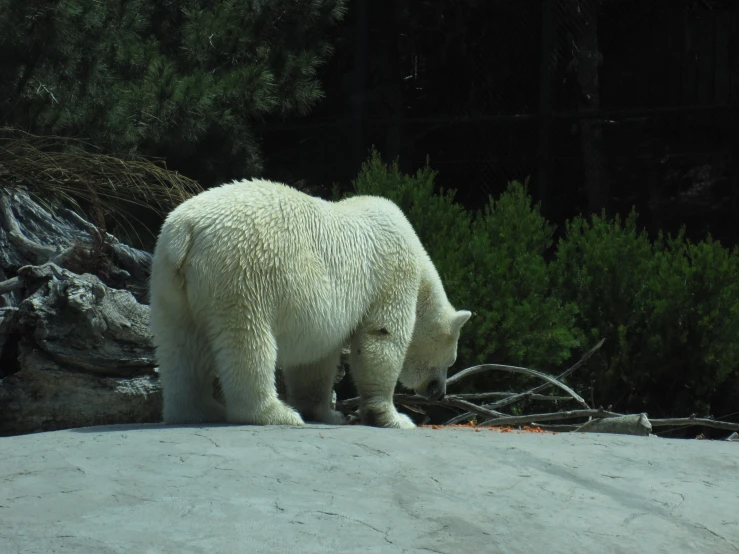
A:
501, 429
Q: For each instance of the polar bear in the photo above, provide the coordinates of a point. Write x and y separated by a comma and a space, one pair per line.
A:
254, 274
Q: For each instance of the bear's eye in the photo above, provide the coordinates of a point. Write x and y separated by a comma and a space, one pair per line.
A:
383, 331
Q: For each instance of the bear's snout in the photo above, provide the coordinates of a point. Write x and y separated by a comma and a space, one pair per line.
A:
433, 390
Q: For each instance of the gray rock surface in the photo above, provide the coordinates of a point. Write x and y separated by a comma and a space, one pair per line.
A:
236, 489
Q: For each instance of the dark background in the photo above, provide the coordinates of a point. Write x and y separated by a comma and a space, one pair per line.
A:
601, 104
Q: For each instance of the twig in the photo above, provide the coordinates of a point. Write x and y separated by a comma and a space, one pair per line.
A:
689, 421
544, 386
466, 416
486, 395
481, 396
514, 369
447, 402
523, 420
420, 400
513, 398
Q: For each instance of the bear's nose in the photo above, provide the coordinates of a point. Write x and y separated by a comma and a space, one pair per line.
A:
435, 390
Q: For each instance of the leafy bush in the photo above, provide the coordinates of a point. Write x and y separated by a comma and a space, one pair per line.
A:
668, 309
491, 262
522, 322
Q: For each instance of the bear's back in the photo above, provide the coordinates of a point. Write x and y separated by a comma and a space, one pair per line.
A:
264, 210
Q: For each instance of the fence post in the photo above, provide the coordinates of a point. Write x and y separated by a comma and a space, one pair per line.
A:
548, 44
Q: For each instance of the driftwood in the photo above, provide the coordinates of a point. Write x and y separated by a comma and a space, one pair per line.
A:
74, 350
498, 418
553, 416
32, 234
507, 395
514, 369
44, 395
636, 424
79, 322
691, 421
84, 355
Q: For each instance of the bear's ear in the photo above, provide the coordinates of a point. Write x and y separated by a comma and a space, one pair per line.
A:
459, 319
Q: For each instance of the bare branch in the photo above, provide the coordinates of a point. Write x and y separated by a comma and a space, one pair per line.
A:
506, 395
528, 419
544, 386
690, 421
447, 402
415, 400
513, 398
514, 369
466, 416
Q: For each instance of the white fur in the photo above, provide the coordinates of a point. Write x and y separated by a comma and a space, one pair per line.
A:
254, 273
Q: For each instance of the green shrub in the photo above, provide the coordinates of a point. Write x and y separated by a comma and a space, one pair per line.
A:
691, 350
521, 321
668, 309
490, 262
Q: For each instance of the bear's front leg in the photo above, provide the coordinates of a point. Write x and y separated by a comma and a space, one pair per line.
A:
376, 361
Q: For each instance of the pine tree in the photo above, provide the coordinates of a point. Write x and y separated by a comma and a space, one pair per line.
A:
189, 81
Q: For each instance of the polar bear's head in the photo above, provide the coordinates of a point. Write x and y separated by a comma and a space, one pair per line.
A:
432, 350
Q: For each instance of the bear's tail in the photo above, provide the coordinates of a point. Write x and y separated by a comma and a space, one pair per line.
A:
176, 241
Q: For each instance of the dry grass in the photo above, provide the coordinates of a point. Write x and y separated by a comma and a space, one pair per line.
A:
58, 169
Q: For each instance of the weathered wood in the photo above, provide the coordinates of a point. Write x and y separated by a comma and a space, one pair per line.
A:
634, 424
553, 416
45, 396
695, 421
84, 355
74, 350
81, 323
34, 234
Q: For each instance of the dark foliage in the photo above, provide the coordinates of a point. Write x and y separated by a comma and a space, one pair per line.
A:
188, 81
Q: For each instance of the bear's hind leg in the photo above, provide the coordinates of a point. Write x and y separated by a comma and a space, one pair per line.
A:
186, 374
310, 388
245, 361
